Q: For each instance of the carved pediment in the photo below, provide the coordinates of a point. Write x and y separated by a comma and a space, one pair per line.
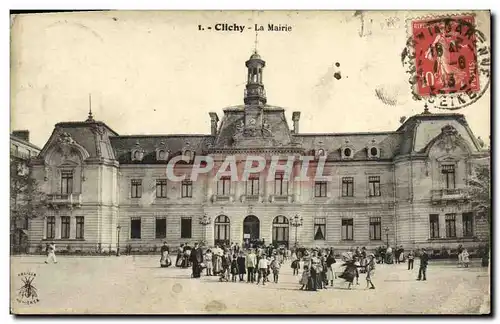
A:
449, 139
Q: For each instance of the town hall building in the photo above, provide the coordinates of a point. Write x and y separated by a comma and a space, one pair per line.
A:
406, 187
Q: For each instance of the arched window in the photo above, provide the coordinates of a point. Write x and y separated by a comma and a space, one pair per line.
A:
281, 229
222, 230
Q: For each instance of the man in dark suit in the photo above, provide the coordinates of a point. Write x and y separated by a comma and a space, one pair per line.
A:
424, 260
196, 259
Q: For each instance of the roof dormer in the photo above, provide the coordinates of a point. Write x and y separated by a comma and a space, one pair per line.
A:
347, 150
373, 150
137, 153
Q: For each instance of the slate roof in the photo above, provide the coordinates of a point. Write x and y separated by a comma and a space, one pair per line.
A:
123, 146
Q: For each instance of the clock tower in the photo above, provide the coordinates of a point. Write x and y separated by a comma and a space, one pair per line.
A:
255, 95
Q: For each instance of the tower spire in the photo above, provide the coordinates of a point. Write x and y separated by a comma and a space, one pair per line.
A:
255, 94
256, 41
90, 118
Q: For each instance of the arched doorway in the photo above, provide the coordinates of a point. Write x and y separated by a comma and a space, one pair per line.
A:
222, 230
281, 230
251, 229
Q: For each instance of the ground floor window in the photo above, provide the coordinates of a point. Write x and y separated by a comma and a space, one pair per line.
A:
222, 230
281, 229
161, 227
79, 227
467, 221
135, 228
186, 227
320, 228
51, 227
375, 228
451, 225
434, 225
65, 226
347, 229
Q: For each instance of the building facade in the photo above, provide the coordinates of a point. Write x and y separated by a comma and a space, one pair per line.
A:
405, 187
21, 152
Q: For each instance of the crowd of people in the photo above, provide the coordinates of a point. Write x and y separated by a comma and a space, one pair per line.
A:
315, 268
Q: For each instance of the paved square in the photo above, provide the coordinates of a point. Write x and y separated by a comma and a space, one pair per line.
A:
136, 284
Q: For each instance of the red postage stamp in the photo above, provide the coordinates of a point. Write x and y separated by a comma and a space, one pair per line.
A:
445, 56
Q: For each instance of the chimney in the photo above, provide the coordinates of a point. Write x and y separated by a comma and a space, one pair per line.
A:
22, 134
214, 119
296, 118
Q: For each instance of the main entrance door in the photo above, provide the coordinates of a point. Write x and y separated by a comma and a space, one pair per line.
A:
251, 228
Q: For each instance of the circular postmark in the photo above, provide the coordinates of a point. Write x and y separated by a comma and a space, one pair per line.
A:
448, 60
27, 294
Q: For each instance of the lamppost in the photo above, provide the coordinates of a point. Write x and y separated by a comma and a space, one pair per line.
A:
204, 221
118, 229
296, 222
387, 235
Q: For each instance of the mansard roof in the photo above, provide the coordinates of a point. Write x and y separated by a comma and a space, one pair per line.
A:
409, 129
387, 142
123, 145
274, 116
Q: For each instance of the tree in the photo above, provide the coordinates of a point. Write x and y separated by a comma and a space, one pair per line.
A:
480, 191
27, 201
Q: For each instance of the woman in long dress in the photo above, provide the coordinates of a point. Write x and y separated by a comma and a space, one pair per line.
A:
164, 260
330, 273
350, 270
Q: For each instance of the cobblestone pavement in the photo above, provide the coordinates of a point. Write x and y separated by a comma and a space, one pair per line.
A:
128, 284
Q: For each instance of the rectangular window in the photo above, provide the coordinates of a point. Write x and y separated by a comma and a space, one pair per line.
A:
374, 186
347, 186
187, 189
449, 176
136, 188
186, 227
79, 227
161, 227
64, 227
347, 229
467, 224
320, 189
135, 228
450, 225
280, 185
66, 182
375, 228
319, 228
161, 188
434, 225
253, 186
224, 186
51, 227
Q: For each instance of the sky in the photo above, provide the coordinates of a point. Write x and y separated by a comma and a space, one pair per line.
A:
156, 73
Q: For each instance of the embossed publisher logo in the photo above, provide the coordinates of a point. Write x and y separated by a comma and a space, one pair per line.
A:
27, 294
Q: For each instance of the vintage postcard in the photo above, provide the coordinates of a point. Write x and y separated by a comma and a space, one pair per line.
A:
250, 162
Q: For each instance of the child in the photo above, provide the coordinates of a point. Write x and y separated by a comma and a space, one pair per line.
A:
234, 268
411, 258
51, 253
465, 258
226, 264
275, 267
305, 278
208, 262
358, 265
263, 266
370, 271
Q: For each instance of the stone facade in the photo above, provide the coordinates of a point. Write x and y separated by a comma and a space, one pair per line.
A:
406, 186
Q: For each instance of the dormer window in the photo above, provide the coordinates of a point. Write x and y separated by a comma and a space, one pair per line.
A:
346, 150
187, 156
162, 154
137, 155
320, 153
137, 152
372, 150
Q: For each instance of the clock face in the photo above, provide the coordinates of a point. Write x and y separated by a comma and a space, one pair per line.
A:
137, 155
